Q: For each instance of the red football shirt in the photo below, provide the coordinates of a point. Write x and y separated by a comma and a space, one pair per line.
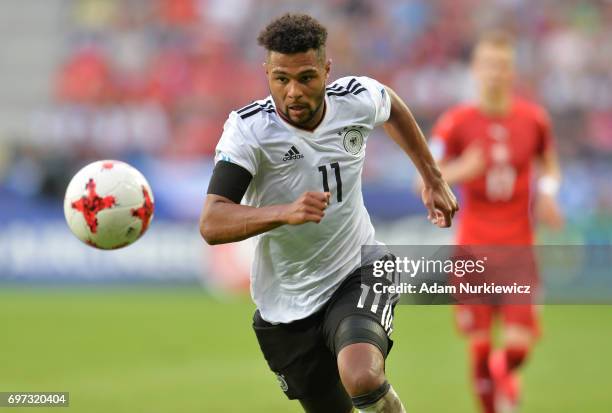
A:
495, 206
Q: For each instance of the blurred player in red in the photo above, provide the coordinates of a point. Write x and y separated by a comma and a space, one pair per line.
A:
489, 148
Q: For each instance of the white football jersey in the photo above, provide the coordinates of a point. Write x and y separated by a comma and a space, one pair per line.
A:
297, 268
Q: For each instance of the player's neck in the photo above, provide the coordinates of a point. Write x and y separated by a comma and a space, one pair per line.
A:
496, 104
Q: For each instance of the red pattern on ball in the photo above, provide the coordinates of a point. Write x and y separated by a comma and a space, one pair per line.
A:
145, 212
91, 204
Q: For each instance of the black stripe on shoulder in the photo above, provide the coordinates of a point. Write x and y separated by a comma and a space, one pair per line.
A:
338, 93
254, 105
353, 87
356, 86
256, 111
251, 113
346, 92
351, 83
245, 108
251, 110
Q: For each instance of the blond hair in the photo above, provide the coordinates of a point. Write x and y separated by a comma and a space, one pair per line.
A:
496, 38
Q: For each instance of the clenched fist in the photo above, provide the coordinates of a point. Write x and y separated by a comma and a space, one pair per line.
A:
441, 204
309, 207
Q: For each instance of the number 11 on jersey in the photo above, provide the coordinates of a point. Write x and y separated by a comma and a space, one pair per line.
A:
336, 167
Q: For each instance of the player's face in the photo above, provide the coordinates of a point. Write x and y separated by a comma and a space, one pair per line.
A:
297, 84
494, 68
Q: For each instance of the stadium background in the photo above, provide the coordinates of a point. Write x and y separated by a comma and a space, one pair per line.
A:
164, 324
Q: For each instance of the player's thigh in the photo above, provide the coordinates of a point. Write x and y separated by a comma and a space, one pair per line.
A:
297, 354
521, 326
358, 315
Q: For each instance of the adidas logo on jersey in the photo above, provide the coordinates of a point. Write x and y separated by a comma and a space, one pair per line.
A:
292, 154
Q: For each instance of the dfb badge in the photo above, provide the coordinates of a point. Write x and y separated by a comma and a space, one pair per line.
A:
353, 139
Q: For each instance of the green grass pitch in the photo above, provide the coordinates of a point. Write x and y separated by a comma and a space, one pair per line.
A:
127, 350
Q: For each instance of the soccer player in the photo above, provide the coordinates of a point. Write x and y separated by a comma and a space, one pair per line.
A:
488, 147
297, 157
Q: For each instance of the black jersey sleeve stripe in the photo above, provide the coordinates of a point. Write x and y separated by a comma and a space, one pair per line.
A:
255, 104
267, 106
229, 180
342, 93
334, 87
356, 86
251, 113
351, 83
256, 111
252, 105
353, 87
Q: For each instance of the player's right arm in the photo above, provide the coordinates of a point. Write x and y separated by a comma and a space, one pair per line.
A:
456, 164
401, 126
467, 166
224, 220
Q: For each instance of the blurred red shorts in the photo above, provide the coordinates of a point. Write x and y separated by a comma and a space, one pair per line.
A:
480, 317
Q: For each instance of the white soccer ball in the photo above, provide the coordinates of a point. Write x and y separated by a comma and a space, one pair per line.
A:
108, 204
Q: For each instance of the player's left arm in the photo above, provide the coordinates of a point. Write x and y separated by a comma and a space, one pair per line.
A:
549, 182
549, 172
404, 130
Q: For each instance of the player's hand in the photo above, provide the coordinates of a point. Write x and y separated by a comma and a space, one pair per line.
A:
441, 203
548, 211
309, 207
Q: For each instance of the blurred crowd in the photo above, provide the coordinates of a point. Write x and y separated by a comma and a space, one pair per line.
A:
157, 78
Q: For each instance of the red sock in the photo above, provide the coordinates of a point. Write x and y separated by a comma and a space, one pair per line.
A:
515, 357
481, 376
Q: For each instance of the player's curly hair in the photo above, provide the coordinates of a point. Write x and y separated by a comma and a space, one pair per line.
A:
293, 33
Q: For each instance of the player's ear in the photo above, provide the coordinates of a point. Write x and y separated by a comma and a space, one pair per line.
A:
327, 68
266, 63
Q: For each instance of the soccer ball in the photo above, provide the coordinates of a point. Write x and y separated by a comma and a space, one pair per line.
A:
108, 204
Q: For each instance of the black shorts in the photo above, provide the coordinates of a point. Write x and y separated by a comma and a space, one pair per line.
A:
301, 353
